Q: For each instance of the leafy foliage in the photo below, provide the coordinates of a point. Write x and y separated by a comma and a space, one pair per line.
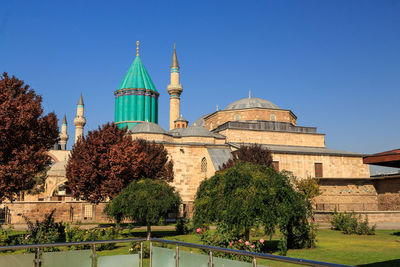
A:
184, 226
247, 196
253, 153
145, 201
309, 187
76, 234
107, 160
46, 231
39, 182
25, 136
223, 237
350, 223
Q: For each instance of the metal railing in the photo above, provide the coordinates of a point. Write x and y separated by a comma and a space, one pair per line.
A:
177, 244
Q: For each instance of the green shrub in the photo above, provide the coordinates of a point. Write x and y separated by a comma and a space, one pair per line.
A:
183, 226
46, 231
248, 196
135, 249
75, 234
223, 237
5, 237
350, 223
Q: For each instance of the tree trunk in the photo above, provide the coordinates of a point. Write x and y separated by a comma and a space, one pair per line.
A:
247, 234
148, 231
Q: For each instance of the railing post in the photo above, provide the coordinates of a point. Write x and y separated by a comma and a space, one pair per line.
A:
254, 262
37, 257
151, 254
141, 254
94, 255
177, 256
210, 263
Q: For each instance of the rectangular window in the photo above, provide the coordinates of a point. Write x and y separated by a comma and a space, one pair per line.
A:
275, 165
88, 212
318, 170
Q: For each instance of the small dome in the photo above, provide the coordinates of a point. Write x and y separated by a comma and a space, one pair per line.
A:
195, 130
181, 118
57, 169
252, 102
147, 127
200, 121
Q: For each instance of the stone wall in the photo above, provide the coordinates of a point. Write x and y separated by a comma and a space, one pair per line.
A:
302, 166
369, 194
347, 195
274, 138
388, 193
373, 216
64, 211
187, 168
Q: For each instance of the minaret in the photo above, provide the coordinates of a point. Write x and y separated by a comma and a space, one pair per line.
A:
174, 91
64, 135
79, 120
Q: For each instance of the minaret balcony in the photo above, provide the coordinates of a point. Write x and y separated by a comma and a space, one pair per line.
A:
174, 89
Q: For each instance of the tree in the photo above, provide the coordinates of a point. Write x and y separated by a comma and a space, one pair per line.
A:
145, 201
253, 153
249, 195
308, 186
107, 159
25, 136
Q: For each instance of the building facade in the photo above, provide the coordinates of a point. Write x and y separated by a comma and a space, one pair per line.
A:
199, 149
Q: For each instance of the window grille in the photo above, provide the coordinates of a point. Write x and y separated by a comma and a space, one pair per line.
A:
203, 165
318, 170
88, 212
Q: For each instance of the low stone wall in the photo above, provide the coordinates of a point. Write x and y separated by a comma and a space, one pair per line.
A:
373, 216
64, 211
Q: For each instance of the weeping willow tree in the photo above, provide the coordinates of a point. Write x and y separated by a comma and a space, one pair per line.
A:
249, 195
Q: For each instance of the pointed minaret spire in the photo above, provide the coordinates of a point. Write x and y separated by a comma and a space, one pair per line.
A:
174, 63
174, 90
79, 120
64, 134
80, 102
64, 120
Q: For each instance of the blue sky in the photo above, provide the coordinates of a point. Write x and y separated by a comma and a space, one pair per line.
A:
335, 64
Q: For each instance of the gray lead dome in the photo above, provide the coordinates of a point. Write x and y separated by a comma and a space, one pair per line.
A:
147, 127
252, 102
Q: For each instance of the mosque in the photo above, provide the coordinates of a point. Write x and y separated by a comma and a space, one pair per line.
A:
198, 150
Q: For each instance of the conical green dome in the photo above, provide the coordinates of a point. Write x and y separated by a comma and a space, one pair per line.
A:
137, 77
136, 99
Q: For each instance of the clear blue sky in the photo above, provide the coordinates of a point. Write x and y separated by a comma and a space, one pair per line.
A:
335, 64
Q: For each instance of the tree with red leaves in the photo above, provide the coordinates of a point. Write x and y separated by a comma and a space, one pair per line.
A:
253, 153
107, 160
25, 136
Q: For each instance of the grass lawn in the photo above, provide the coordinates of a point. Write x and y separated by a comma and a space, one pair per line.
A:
381, 249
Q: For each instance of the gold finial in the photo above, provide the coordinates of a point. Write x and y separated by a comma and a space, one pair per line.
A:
137, 48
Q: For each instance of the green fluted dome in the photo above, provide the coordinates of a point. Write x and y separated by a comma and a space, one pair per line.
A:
136, 99
137, 77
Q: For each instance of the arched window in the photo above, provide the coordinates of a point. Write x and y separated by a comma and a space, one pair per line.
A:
237, 117
211, 126
273, 117
203, 165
